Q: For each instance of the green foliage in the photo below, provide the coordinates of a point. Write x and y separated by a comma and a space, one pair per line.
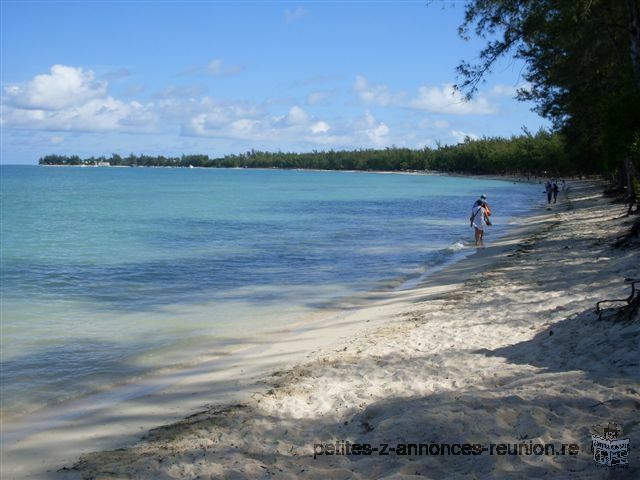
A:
582, 65
526, 154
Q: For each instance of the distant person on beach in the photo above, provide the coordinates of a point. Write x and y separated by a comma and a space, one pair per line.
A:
479, 218
555, 190
548, 188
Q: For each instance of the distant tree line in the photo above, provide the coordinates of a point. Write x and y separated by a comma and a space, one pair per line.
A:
542, 153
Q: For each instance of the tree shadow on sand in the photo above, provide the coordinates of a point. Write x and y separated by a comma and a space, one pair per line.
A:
261, 441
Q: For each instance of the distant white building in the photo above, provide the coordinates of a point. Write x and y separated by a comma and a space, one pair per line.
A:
103, 164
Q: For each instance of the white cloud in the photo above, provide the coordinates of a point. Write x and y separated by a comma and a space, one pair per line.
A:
70, 99
320, 127
297, 116
184, 111
297, 127
379, 134
367, 120
375, 94
98, 115
448, 100
246, 127
63, 87
247, 124
207, 118
432, 99
217, 68
361, 132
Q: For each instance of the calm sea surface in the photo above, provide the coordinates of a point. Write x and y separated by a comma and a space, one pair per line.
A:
112, 273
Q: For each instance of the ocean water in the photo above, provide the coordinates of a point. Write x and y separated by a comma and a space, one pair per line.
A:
108, 274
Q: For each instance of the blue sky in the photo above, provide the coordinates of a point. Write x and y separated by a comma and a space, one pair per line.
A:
95, 78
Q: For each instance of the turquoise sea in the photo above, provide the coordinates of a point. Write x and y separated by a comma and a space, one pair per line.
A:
108, 274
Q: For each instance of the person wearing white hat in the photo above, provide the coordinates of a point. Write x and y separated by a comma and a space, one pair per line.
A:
483, 201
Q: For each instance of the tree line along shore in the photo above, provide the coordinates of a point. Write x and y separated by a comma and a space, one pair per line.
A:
539, 154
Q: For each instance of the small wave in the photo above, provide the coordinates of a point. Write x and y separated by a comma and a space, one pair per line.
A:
456, 247
439, 259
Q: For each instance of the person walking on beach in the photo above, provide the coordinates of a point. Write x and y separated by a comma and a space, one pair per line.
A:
483, 200
548, 188
479, 219
555, 190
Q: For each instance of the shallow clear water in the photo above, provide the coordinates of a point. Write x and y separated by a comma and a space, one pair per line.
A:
109, 273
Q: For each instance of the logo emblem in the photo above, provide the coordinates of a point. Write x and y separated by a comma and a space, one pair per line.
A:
609, 450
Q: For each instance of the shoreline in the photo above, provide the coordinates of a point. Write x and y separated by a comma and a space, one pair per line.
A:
245, 376
74, 422
74, 414
505, 177
439, 258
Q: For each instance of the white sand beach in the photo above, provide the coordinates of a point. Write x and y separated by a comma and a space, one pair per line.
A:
502, 347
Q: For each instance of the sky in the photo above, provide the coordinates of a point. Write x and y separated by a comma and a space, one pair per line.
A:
93, 78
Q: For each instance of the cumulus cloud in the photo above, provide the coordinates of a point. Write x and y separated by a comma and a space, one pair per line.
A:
320, 127
375, 94
297, 116
84, 105
445, 99
63, 87
378, 134
180, 110
449, 100
208, 118
70, 99
374, 131
365, 131
98, 115
248, 124
296, 127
